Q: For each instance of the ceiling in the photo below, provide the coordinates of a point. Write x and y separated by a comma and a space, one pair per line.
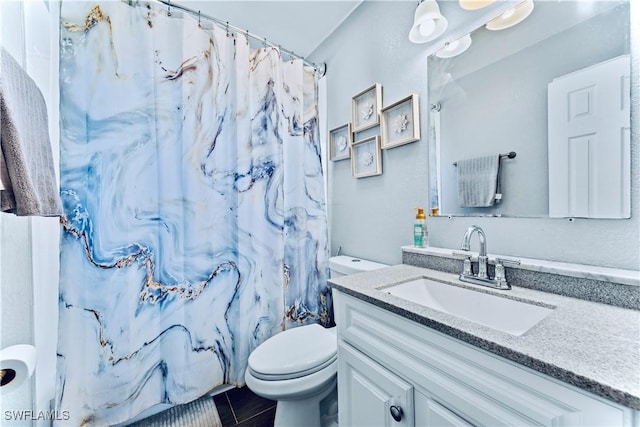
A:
297, 25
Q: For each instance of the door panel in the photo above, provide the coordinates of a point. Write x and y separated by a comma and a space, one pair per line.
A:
589, 140
431, 413
368, 391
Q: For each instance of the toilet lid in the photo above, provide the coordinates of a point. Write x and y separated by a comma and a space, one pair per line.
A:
294, 351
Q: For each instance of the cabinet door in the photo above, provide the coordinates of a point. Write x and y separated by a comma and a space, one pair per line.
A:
369, 394
430, 413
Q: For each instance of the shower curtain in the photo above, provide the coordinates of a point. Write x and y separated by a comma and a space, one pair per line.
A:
195, 221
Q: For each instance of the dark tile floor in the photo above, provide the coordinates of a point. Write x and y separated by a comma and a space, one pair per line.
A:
242, 408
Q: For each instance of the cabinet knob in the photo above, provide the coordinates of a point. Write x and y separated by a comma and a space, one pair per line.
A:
396, 412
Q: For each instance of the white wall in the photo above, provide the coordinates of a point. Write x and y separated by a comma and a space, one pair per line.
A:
16, 284
29, 246
372, 217
16, 300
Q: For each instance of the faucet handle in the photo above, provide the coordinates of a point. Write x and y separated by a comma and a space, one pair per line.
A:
466, 265
499, 276
461, 255
507, 262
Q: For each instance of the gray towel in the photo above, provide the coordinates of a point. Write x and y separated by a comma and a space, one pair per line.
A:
25, 146
478, 181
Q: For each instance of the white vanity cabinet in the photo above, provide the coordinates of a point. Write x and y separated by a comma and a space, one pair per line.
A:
391, 366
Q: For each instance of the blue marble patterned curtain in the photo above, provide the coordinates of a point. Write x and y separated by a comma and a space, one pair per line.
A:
195, 222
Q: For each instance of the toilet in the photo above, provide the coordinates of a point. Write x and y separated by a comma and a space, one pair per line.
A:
297, 367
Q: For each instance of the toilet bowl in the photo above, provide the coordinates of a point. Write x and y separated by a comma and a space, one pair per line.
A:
298, 367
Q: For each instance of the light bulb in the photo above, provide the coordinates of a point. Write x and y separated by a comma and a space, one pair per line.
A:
428, 22
427, 27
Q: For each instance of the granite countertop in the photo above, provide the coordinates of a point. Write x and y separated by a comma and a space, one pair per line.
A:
626, 277
593, 346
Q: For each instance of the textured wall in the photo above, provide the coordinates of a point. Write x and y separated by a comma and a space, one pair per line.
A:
372, 217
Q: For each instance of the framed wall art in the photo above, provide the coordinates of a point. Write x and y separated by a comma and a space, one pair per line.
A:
365, 108
366, 157
340, 140
400, 122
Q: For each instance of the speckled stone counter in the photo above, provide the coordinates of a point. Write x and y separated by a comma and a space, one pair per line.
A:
593, 346
598, 284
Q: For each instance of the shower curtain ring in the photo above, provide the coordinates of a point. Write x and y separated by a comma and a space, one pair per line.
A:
227, 28
168, 7
264, 43
320, 69
199, 23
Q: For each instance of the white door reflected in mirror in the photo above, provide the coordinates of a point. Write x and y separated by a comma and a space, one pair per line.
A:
589, 142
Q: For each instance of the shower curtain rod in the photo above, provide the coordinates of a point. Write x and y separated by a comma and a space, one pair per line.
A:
320, 69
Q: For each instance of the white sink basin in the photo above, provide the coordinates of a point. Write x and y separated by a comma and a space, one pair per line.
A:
504, 314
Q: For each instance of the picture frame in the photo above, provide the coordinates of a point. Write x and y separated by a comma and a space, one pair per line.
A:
340, 141
400, 122
365, 108
366, 157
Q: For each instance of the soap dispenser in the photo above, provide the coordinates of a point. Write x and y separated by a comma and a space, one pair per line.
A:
420, 234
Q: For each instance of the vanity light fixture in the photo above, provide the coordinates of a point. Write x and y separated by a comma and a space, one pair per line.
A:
511, 17
428, 22
455, 47
475, 4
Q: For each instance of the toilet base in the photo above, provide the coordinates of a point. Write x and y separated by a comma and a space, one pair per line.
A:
302, 412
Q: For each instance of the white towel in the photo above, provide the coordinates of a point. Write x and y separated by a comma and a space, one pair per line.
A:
478, 181
27, 175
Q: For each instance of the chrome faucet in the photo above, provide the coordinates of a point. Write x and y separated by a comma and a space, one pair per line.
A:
482, 253
499, 281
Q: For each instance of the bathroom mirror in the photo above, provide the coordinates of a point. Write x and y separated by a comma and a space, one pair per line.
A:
493, 99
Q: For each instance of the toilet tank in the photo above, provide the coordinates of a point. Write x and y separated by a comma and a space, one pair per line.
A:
343, 265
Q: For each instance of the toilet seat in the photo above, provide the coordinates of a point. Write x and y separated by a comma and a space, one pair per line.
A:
294, 353
293, 389
293, 375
